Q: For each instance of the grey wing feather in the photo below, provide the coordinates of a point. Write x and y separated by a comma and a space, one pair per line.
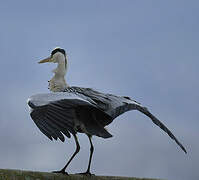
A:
56, 117
160, 124
53, 120
133, 105
94, 97
117, 105
92, 118
50, 126
93, 121
57, 114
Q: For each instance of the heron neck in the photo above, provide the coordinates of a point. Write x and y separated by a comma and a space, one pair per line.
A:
58, 82
61, 69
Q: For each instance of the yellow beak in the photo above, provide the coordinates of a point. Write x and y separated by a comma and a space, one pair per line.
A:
48, 59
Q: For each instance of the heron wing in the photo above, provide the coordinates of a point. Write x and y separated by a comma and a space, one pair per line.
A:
99, 100
157, 122
55, 113
53, 121
117, 105
89, 117
53, 118
108, 103
127, 104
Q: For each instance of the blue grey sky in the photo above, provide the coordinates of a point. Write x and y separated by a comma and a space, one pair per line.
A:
145, 49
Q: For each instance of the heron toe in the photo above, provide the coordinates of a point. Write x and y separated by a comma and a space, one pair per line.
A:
86, 174
61, 172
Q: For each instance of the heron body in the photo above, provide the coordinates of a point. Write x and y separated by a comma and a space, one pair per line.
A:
70, 110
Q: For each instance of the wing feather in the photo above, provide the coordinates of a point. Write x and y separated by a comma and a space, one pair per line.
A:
54, 125
47, 128
161, 125
54, 114
63, 127
61, 115
44, 131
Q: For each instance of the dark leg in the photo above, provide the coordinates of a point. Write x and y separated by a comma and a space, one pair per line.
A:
90, 158
76, 151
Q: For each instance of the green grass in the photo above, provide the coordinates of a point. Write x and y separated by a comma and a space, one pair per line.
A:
8, 174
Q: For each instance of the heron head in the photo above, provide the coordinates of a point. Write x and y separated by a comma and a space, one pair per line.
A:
58, 55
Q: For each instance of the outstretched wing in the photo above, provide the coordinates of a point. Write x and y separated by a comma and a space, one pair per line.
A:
160, 124
61, 113
53, 118
127, 104
117, 105
55, 113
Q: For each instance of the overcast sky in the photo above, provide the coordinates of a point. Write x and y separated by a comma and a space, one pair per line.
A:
145, 49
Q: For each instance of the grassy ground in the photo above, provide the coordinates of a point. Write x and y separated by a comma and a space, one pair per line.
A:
8, 174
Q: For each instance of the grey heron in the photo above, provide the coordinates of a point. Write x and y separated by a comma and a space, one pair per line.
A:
69, 110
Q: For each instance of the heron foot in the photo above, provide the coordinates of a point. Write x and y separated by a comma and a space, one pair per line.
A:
61, 172
87, 173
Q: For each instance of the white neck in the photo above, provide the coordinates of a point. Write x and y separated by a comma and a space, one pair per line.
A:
61, 69
58, 83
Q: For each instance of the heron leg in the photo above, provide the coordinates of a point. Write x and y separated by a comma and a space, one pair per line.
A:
76, 151
88, 173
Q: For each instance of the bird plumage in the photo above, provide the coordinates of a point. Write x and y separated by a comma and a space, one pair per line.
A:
83, 110
70, 110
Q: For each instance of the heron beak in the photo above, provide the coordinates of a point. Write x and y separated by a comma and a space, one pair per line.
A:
48, 59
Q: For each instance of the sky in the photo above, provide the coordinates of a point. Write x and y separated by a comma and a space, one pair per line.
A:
144, 49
